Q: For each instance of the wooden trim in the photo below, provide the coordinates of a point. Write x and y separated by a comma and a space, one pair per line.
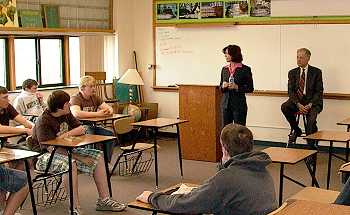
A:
66, 61
11, 63
66, 5
272, 93
52, 31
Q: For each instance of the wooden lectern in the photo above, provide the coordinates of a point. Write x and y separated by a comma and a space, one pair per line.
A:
200, 138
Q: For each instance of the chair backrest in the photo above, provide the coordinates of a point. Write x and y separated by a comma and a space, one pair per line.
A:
123, 126
101, 89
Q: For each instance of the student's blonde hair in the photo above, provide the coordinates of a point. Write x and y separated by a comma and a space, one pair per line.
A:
87, 80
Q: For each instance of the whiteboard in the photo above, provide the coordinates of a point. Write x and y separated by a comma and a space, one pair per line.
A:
194, 55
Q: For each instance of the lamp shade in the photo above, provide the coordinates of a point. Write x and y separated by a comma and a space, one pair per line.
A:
131, 77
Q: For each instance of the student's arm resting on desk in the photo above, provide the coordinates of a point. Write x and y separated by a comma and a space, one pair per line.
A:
106, 108
23, 121
207, 198
5, 129
80, 130
80, 114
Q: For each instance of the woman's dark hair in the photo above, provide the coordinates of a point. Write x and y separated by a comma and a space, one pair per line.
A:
27, 84
56, 100
235, 52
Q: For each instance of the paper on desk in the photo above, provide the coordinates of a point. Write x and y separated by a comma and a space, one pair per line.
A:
183, 189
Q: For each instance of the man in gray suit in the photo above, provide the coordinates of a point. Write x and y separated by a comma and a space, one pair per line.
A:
305, 91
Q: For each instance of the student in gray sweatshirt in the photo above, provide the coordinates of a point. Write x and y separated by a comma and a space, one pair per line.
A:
242, 186
30, 102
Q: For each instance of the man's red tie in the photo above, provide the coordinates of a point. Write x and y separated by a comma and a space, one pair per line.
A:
301, 84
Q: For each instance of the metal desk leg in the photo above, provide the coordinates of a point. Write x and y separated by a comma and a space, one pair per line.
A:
154, 213
330, 151
179, 148
108, 174
155, 133
281, 185
70, 173
30, 185
347, 152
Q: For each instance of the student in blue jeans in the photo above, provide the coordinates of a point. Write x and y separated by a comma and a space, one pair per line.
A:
14, 182
86, 104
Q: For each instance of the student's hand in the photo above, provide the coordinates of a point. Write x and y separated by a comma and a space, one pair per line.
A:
224, 84
101, 112
29, 131
39, 96
107, 112
144, 196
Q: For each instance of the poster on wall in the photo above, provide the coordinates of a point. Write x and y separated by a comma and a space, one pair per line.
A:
189, 10
236, 8
8, 13
260, 8
167, 11
214, 9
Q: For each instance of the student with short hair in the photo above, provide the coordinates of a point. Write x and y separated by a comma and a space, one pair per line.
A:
86, 104
58, 122
8, 112
242, 186
30, 101
14, 182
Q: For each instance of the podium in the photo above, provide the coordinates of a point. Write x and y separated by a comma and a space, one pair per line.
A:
200, 138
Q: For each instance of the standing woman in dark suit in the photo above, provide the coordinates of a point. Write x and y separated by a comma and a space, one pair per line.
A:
236, 80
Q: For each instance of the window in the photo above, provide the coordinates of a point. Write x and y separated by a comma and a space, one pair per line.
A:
74, 59
111, 57
3, 62
40, 59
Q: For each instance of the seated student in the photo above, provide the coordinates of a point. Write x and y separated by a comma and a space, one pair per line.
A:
242, 185
58, 121
14, 182
344, 196
30, 101
87, 104
8, 112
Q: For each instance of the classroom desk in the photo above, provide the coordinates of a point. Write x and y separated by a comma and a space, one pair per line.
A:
332, 136
316, 195
95, 120
9, 155
290, 156
302, 207
156, 124
148, 207
70, 143
345, 122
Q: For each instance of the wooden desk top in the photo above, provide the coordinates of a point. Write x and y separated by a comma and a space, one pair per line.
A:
149, 207
7, 155
336, 136
345, 167
12, 135
288, 155
301, 207
78, 141
344, 122
159, 122
104, 118
316, 195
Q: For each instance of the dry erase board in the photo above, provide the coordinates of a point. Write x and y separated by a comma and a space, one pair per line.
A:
193, 55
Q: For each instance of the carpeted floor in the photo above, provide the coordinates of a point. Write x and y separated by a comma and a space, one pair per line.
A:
126, 189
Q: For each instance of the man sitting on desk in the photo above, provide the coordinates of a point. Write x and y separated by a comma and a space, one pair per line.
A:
86, 104
305, 91
242, 186
58, 122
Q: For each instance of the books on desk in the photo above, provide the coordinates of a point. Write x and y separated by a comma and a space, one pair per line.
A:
183, 189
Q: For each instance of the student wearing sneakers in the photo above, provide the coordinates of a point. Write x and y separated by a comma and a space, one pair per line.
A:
242, 185
14, 182
86, 104
30, 102
58, 121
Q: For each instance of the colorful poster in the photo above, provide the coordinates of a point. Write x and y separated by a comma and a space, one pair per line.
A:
189, 10
167, 11
260, 8
8, 13
213, 9
236, 8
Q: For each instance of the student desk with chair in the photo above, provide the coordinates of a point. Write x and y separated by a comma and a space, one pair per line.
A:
155, 125
10, 155
345, 122
291, 156
332, 136
112, 117
79, 141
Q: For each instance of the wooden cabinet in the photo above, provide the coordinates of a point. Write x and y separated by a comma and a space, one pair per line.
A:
200, 138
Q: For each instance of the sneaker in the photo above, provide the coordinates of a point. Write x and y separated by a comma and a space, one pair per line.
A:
109, 204
76, 212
